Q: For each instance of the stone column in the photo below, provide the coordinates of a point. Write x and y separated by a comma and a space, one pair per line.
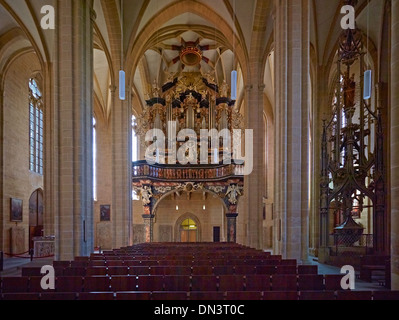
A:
292, 123
103, 234
121, 131
254, 183
232, 227
69, 176
2, 218
149, 227
122, 170
50, 138
395, 146
305, 138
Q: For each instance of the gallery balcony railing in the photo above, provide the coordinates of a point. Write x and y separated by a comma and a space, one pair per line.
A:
161, 172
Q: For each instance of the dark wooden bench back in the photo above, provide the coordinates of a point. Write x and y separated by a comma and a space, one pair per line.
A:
375, 260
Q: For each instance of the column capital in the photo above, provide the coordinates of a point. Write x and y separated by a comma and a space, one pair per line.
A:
112, 88
128, 91
93, 15
261, 87
273, 12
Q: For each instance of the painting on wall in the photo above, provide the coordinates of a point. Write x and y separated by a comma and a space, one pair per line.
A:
105, 213
16, 210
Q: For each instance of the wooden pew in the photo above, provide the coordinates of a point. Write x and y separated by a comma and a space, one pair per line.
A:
369, 264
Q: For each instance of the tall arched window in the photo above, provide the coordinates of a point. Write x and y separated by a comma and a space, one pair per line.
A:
35, 128
94, 159
135, 143
135, 152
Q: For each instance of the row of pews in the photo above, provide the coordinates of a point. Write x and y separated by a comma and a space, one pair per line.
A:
172, 271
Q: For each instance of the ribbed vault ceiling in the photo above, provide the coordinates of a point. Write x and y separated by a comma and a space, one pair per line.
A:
20, 29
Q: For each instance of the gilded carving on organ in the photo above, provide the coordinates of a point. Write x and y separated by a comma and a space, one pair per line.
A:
193, 101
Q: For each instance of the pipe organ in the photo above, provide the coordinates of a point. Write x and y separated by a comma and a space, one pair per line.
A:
191, 102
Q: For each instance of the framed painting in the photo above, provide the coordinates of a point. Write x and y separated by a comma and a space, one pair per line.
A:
16, 210
105, 213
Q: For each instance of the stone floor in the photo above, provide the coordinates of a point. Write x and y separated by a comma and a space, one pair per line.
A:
360, 285
13, 266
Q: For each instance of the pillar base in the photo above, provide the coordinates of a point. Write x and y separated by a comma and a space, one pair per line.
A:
394, 281
324, 255
306, 261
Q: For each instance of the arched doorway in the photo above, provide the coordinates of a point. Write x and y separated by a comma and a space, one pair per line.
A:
35, 216
188, 231
204, 207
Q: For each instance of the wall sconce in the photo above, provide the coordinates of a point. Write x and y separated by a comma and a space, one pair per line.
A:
234, 85
367, 85
122, 85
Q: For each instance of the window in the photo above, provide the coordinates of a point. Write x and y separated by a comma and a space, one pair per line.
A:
94, 159
135, 153
35, 128
135, 144
188, 231
189, 224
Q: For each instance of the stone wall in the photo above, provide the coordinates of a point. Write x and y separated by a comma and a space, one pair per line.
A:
18, 181
167, 217
103, 229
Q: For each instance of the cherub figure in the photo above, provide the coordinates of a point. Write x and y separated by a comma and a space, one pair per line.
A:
224, 89
146, 195
155, 90
232, 193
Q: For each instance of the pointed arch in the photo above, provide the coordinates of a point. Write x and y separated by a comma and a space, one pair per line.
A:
138, 44
180, 221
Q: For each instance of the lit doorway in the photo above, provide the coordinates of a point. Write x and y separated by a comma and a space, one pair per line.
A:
35, 216
189, 231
